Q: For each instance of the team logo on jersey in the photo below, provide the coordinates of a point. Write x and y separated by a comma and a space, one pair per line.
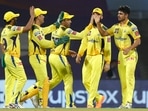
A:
89, 33
16, 28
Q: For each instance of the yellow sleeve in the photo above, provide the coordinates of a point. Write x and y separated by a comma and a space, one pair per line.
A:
39, 38
107, 49
49, 29
135, 32
111, 30
74, 35
16, 30
83, 46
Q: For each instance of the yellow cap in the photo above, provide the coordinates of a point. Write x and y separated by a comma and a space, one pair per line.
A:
98, 10
67, 16
10, 15
38, 11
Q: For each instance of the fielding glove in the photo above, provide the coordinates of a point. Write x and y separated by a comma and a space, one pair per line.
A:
61, 40
59, 19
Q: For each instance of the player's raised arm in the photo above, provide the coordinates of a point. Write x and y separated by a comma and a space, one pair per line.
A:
31, 20
97, 19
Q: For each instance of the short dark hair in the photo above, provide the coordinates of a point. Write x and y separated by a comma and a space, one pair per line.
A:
125, 9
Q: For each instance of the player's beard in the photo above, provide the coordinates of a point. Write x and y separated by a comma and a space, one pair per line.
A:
14, 21
121, 19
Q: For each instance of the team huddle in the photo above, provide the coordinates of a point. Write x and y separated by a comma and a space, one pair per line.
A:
95, 41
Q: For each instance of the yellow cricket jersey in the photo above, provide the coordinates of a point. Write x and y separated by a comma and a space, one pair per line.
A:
95, 44
123, 34
63, 49
37, 42
10, 39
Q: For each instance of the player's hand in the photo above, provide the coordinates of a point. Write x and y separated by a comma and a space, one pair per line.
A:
97, 18
59, 19
106, 67
61, 40
78, 59
72, 53
126, 51
32, 14
91, 19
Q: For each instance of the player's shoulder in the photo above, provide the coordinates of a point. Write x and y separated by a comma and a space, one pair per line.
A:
62, 28
131, 24
34, 27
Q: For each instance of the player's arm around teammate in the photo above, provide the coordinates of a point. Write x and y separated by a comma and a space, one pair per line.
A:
61, 69
57, 35
37, 55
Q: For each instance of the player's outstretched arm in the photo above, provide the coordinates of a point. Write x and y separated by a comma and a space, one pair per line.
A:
31, 20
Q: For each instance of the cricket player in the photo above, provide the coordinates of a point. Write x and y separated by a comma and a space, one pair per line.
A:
60, 67
37, 53
98, 53
15, 77
123, 33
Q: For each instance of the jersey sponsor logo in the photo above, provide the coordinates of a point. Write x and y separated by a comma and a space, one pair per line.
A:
93, 41
120, 38
16, 28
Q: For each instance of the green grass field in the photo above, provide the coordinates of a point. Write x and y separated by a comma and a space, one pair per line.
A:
75, 109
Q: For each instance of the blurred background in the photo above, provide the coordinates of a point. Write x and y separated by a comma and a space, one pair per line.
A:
82, 10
